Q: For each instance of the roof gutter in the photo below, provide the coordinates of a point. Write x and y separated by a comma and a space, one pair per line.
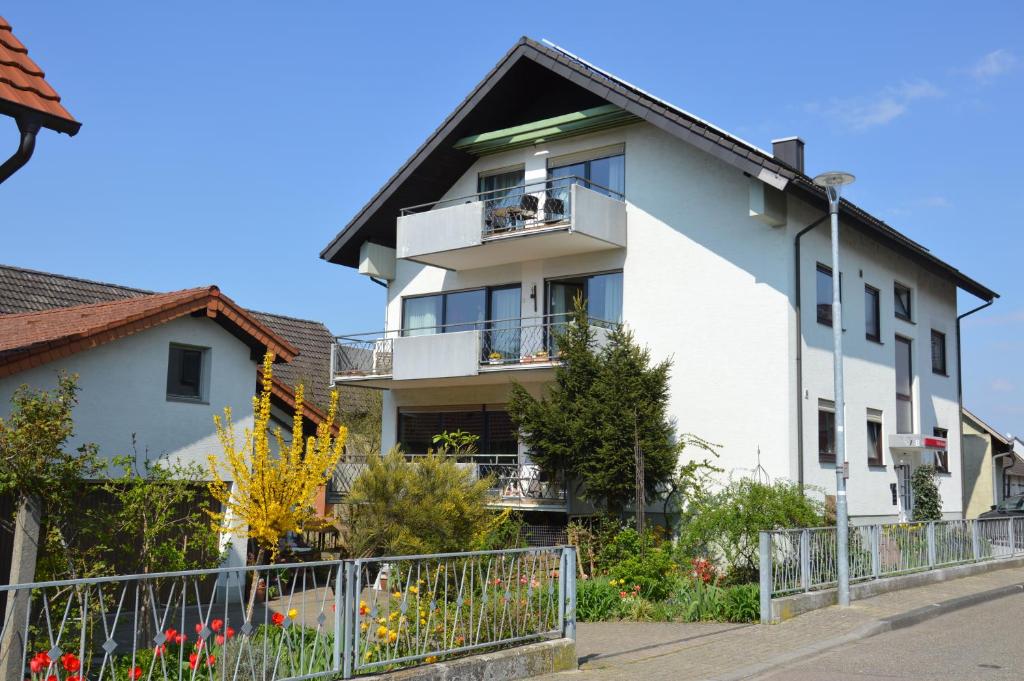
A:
28, 128
800, 355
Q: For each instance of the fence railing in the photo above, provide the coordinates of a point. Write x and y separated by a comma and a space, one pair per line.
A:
324, 619
793, 561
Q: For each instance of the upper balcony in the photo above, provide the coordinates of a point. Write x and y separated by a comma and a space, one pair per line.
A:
464, 353
557, 217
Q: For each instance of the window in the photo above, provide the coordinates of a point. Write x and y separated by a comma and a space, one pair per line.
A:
904, 386
502, 188
942, 455
875, 457
938, 352
901, 301
601, 292
824, 286
416, 430
872, 315
185, 373
826, 431
605, 175
459, 310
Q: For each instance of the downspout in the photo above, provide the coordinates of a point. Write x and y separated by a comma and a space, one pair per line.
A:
960, 404
28, 129
800, 356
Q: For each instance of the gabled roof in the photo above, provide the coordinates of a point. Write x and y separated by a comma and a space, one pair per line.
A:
26, 290
558, 82
23, 87
34, 338
996, 435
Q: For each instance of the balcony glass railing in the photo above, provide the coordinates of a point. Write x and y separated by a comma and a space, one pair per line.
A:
503, 342
528, 206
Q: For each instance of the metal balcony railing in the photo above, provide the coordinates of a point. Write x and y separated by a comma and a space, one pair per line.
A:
521, 482
503, 342
531, 205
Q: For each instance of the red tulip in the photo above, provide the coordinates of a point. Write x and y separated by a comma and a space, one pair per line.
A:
39, 663
193, 660
220, 639
180, 638
277, 618
52, 677
73, 677
70, 662
231, 632
170, 634
211, 660
216, 625
199, 627
135, 674
160, 649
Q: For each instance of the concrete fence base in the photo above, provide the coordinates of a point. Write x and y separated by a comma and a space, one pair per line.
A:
790, 606
535, 659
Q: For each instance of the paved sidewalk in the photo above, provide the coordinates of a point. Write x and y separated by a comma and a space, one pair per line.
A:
653, 651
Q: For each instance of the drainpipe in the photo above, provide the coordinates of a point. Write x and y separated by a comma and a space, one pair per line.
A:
800, 355
28, 129
960, 404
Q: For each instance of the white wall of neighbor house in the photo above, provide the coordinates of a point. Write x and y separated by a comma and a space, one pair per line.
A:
123, 390
713, 288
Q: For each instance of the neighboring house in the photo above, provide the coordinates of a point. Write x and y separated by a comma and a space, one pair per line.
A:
991, 469
151, 370
553, 179
28, 99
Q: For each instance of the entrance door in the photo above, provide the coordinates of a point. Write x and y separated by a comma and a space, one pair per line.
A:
905, 496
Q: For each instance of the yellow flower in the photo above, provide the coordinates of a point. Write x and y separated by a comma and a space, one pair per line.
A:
413, 590
364, 626
293, 613
430, 659
393, 616
368, 655
392, 637
423, 622
382, 632
396, 594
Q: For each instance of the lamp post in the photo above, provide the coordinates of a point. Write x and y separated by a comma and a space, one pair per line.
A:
833, 183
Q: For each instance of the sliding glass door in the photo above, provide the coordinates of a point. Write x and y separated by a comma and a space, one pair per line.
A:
504, 330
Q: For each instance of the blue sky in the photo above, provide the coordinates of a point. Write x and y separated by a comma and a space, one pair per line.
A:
228, 142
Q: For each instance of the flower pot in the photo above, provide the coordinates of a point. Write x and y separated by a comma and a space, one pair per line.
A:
494, 361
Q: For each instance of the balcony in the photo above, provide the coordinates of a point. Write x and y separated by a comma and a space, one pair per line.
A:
557, 217
454, 354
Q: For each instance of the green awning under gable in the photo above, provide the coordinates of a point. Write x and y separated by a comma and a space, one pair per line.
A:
558, 127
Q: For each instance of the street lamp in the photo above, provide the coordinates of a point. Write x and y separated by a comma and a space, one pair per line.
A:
833, 183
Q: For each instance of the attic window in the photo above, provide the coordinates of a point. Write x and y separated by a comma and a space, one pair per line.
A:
186, 373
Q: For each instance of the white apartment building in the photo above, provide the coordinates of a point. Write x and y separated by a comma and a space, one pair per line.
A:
554, 178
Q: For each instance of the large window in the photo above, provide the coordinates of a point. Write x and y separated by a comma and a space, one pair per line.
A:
902, 301
942, 455
416, 430
904, 386
185, 373
600, 174
602, 293
459, 310
872, 315
502, 188
875, 456
939, 352
826, 431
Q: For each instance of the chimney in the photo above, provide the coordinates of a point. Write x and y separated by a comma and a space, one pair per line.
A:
789, 150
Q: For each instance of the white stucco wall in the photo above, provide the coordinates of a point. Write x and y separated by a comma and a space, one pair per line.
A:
713, 288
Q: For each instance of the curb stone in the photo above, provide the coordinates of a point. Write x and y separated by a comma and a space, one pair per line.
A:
900, 621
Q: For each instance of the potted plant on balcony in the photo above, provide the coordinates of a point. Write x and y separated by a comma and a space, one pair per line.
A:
494, 358
540, 356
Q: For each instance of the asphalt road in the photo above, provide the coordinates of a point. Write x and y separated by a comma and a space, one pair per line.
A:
979, 643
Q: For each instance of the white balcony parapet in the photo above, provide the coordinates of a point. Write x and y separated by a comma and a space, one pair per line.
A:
561, 216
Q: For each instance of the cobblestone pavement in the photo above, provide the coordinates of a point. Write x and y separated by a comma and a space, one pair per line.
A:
654, 651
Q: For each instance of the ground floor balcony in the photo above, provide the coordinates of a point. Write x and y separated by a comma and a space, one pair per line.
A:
475, 353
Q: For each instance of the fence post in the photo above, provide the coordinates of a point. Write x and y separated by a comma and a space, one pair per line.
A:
805, 560
561, 589
1013, 539
975, 540
764, 565
350, 624
876, 558
931, 543
341, 572
570, 574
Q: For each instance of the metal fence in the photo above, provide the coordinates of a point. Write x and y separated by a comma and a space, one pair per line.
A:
324, 619
793, 561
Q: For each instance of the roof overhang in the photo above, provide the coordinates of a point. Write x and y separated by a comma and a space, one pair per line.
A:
559, 82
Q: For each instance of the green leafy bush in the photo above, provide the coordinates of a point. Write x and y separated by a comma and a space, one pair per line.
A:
927, 502
724, 525
742, 603
596, 600
652, 571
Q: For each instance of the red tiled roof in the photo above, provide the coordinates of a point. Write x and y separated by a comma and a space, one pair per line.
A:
23, 86
34, 338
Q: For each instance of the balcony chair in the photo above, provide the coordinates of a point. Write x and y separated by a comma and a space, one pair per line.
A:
554, 209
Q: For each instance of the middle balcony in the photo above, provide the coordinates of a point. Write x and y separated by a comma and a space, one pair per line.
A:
455, 354
557, 217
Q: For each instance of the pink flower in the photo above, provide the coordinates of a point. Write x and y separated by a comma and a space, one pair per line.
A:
622, 594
